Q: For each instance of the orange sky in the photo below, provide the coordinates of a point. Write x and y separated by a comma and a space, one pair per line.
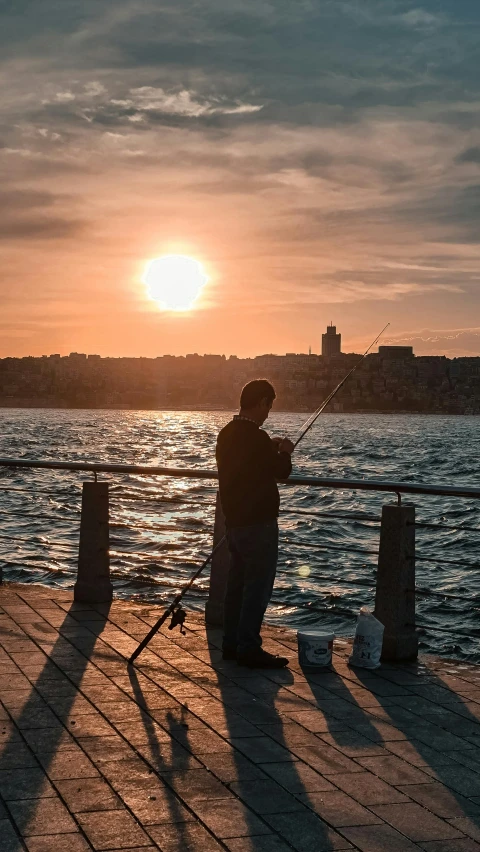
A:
312, 186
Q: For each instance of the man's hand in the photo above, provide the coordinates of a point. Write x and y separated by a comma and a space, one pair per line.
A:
276, 443
286, 446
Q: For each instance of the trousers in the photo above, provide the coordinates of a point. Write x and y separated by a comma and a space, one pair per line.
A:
253, 564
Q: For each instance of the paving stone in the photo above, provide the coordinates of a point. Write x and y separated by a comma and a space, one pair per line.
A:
326, 759
196, 784
58, 843
113, 830
368, 789
289, 734
415, 822
143, 731
262, 843
10, 842
266, 797
232, 766
16, 784
174, 718
201, 742
458, 778
49, 739
152, 803
297, 777
378, 838
16, 755
229, 818
41, 816
121, 711
9, 733
105, 749
352, 743
316, 721
393, 770
88, 794
419, 754
466, 845
37, 716
338, 809
12, 682
440, 800
468, 825
89, 725
306, 832
168, 756
443, 740
67, 764
261, 749
186, 837
380, 731
471, 759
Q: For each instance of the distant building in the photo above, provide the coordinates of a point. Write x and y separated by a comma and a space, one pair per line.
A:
395, 352
331, 342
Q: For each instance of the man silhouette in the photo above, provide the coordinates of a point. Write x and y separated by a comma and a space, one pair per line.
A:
249, 465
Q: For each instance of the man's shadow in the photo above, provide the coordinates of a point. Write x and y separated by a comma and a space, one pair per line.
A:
268, 769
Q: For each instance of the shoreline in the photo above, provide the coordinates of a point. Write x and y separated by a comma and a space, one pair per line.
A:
213, 408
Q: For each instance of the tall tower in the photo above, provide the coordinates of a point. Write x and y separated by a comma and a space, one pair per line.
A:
331, 341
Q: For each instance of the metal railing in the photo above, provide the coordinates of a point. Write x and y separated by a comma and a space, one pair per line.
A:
196, 473
123, 548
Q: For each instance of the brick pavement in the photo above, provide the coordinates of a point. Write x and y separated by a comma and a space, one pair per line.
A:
187, 752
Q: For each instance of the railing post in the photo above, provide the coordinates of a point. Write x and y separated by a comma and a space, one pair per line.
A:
219, 570
395, 594
93, 580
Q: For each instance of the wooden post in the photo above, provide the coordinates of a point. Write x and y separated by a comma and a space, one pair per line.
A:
395, 594
219, 571
93, 580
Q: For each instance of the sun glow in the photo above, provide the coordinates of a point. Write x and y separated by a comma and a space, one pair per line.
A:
174, 281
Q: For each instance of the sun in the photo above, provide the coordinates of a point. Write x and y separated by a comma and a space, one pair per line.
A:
174, 281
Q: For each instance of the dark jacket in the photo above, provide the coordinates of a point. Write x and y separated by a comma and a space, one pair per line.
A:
248, 469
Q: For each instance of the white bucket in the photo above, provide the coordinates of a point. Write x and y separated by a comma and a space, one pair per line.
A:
315, 649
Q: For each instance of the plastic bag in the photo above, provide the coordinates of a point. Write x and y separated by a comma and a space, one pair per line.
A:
368, 641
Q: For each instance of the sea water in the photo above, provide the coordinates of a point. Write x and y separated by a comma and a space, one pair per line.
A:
161, 527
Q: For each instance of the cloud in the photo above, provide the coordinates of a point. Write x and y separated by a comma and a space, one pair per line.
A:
150, 99
319, 152
44, 228
464, 342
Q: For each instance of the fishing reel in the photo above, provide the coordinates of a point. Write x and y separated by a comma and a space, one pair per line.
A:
178, 618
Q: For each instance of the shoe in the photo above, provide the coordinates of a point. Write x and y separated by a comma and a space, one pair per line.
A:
228, 654
260, 659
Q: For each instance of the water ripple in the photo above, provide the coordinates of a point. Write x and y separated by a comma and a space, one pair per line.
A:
162, 528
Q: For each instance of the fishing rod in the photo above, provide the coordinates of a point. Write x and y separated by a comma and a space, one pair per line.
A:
178, 615
311, 420
175, 610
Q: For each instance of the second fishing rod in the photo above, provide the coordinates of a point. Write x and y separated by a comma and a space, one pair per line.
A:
175, 610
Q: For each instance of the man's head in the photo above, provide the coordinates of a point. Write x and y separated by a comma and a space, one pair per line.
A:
256, 400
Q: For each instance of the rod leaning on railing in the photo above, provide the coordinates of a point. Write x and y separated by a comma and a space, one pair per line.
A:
199, 473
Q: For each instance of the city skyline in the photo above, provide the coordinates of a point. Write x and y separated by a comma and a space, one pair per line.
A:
315, 161
389, 380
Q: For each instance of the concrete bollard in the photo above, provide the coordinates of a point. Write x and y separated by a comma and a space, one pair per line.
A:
395, 593
93, 580
218, 572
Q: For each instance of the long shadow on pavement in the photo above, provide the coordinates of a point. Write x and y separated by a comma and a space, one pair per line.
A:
424, 780
36, 739
270, 767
